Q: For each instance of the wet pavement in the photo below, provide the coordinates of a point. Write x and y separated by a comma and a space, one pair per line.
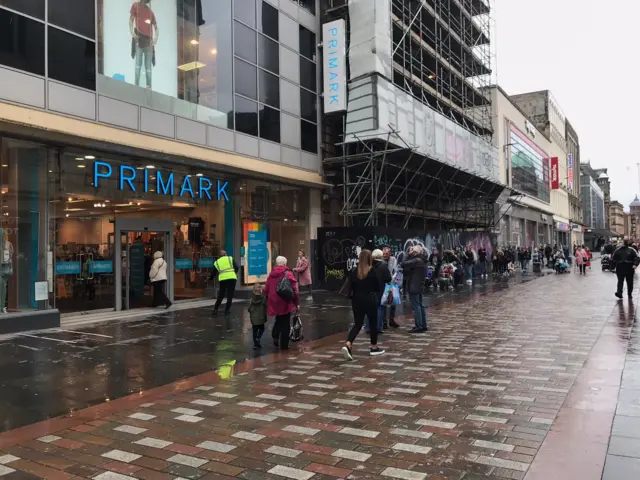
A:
514, 380
47, 374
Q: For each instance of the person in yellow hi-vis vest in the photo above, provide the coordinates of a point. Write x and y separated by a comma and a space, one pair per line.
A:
227, 270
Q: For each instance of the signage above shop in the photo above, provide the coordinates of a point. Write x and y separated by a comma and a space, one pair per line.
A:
334, 43
165, 183
555, 180
570, 172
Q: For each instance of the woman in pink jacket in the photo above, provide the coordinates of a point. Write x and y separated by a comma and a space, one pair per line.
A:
303, 272
279, 307
581, 259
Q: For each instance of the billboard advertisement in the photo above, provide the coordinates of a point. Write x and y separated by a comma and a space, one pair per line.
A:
555, 180
570, 172
139, 42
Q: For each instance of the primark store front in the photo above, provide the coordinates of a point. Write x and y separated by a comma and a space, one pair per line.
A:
136, 126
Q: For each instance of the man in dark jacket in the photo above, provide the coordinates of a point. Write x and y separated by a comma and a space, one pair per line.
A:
384, 277
415, 269
482, 262
469, 262
548, 251
626, 260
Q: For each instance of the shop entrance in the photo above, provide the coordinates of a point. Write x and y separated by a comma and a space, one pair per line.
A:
136, 242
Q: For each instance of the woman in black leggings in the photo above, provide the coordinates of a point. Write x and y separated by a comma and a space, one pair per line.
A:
365, 290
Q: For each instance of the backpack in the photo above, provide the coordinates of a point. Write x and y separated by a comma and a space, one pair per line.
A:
296, 334
284, 288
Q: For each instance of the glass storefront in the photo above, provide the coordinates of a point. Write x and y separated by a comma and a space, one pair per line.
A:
83, 227
529, 166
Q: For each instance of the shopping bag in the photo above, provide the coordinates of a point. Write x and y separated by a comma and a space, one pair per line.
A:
395, 292
387, 296
296, 334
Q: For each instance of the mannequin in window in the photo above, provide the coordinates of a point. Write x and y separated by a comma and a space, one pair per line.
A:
6, 268
144, 34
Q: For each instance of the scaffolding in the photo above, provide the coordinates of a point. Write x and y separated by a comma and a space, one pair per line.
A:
442, 56
393, 186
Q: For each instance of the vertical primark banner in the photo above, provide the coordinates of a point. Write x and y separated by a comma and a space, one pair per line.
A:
570, 172
334, 66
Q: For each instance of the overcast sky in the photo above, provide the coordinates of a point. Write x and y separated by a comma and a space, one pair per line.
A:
585, 52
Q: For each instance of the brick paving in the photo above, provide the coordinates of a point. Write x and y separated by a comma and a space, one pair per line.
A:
474, 398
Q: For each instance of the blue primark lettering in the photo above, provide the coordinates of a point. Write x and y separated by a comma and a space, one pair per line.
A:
166, 184
186, 187
164, 188
222, 190
204, 189
97, 174
123, 178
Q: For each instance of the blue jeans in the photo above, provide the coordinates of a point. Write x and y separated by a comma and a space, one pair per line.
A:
418, 310
468, 270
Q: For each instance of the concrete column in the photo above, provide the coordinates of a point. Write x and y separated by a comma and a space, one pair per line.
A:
314, 221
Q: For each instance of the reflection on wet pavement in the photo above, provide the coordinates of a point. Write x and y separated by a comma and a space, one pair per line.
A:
47, 374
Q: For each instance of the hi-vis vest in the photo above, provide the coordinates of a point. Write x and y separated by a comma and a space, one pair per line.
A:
224, 265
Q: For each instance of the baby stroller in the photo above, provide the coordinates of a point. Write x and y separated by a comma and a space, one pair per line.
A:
428, 280
445, 280
561, 265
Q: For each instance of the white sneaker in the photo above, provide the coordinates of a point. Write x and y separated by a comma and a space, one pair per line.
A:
309, 298
376, 351
346, 352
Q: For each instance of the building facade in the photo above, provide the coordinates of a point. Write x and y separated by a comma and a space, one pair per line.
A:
634, 213
410, 145
627, 224
185, 127
592, 202
527, 218
616, 218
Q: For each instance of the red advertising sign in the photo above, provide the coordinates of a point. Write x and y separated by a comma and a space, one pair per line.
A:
555, 180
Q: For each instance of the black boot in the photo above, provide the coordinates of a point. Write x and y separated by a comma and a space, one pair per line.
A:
393, 324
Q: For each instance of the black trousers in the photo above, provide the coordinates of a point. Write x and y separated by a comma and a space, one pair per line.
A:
583, 268
361, 308
159, 297
258, 331
227, 289
628, 276
281, 330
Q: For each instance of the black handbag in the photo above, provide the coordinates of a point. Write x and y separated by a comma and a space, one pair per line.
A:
284, 288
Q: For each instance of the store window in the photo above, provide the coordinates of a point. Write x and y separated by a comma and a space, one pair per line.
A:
21, 43
72, 59
77, 16
33, 8
83, 220
274, 223
244, 44
308, 105
25, 265
181, 49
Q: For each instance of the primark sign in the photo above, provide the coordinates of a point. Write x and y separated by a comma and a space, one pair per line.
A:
166, 183
334, 67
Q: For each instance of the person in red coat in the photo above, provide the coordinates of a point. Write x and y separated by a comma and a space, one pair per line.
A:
278, 306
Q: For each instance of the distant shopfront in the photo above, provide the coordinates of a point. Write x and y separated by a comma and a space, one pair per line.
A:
82, 227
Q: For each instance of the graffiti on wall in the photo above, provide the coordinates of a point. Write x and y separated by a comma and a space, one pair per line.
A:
340, 247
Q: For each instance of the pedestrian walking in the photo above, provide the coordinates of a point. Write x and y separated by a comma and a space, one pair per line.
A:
257, 314
469, 261
482, 262
626, 260
281, 304
581, 259
158, 279
303, 273
365, 285
227, 270
384, 277
416, 269
392, 264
